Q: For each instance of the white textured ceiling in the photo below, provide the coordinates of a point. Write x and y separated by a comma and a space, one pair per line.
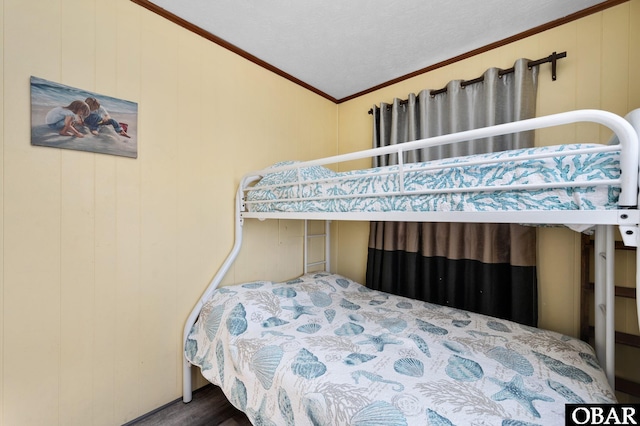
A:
345, 47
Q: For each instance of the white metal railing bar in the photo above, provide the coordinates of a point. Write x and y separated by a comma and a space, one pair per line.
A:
624, 131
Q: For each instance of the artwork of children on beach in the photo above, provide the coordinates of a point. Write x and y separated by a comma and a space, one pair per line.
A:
70, 118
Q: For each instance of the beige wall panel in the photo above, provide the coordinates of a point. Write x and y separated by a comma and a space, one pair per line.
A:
629, 280
527, 48
77, 290
258, 143
294, 127
352, 253
128, 55
625, 277
195, 257
159, 206
588, 73
216, 150
634, 57
355, 129
625, 262
259, 238
127, 329
105, 48
78, 53
255, 144
316, 227
354, 126
104, 307
220, 144
626, 316
629, 321
615, 59
104, 303
291, 250
76, 226
627, 355
314, 137
555, 271
31, 220
503, 57
559, 95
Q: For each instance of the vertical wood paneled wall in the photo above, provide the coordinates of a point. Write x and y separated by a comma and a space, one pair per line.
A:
103, 257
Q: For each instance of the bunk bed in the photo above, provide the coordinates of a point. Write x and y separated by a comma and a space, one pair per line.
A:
322, 349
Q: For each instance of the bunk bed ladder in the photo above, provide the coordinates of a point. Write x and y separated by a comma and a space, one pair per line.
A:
308, 237
605, 336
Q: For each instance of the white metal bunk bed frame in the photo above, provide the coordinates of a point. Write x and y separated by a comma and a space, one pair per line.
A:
626, 217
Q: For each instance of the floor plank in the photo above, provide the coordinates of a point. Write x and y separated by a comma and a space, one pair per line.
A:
209, 407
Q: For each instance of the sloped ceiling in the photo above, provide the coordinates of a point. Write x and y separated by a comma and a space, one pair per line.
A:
343, 48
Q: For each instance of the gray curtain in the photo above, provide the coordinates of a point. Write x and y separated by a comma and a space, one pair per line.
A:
478, 267
497, 99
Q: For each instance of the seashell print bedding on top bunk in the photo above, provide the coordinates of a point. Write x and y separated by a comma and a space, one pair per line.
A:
324, 350
316, 188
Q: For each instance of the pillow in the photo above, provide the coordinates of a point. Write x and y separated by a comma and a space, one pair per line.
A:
291, 175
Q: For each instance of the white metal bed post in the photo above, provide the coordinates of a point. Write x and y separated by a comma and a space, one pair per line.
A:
604, 300
610, 311
187, 392
327, 245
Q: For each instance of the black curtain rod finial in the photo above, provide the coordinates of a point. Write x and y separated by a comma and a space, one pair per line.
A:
553, 58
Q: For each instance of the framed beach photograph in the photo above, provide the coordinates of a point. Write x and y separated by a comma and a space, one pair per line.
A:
71, 118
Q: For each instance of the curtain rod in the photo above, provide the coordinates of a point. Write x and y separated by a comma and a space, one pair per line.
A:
553, 58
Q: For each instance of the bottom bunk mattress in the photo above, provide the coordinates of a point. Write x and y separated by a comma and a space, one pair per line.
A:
324, 350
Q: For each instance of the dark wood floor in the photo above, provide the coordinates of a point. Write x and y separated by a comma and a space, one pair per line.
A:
208, 407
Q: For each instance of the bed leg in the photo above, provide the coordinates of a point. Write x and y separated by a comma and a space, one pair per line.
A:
186, 382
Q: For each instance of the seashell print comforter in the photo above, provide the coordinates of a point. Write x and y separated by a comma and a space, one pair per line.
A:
325, 350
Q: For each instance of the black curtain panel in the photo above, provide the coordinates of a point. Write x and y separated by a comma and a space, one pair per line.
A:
468, 266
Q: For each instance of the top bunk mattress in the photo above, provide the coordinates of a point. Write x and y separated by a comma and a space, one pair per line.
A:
561, 177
